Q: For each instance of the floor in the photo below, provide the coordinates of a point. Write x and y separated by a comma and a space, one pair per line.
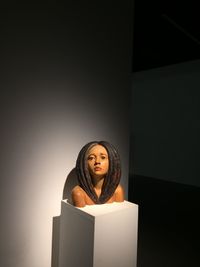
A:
169, 227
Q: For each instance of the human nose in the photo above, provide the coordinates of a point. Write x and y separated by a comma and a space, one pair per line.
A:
97, 161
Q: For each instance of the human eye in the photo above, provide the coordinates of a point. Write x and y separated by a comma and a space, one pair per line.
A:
103, 157
91, 157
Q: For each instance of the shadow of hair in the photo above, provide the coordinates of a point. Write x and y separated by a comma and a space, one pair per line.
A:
70, 183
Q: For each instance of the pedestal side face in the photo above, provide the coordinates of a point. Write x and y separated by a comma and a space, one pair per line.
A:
116, 238
76, 238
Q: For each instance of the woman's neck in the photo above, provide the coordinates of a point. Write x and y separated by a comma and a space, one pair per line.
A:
98, 183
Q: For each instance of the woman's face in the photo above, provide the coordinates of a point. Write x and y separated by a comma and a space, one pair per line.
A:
98, 161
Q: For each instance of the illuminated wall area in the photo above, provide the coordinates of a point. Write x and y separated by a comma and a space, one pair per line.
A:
65, 74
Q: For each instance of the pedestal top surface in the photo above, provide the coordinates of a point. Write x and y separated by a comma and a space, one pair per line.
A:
102, 209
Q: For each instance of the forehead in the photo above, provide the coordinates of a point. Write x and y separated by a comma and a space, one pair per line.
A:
97, 149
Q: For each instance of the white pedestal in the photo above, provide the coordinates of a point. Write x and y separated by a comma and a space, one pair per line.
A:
98, 235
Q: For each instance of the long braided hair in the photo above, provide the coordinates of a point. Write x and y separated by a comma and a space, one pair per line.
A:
112, 178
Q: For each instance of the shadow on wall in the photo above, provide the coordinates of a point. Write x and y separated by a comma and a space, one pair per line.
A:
70, 182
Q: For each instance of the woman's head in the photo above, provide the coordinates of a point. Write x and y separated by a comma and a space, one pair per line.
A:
98, 160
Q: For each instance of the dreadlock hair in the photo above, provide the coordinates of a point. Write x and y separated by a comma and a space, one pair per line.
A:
112, 178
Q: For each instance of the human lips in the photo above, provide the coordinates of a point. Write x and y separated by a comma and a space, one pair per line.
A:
97, 168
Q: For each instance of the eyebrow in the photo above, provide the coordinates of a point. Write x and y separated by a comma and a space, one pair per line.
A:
92, 154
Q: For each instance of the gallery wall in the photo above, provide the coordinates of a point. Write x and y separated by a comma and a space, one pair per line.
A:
65, 81
165, 125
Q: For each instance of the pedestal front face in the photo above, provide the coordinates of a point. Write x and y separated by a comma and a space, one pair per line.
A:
99, 235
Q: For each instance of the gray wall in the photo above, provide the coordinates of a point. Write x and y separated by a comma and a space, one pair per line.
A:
165, 131
65, 81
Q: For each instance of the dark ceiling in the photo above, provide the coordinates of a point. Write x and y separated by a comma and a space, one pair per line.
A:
165, 33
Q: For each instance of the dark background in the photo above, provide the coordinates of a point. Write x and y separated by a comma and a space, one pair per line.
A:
164, 33
165, 131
